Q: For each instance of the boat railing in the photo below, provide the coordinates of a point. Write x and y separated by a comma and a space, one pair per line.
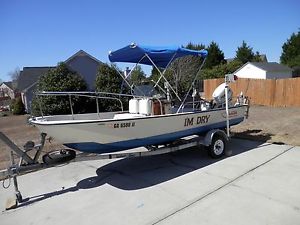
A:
95, 95
192, 105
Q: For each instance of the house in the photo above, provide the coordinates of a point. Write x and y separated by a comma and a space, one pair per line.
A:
263, 58
27, 83
86, 66
264, 70
7, 90
81, 62
7, 93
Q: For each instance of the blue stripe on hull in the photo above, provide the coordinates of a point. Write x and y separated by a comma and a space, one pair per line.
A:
94, 147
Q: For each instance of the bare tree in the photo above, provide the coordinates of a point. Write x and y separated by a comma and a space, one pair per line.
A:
14, 75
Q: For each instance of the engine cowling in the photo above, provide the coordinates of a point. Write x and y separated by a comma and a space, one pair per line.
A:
219, 94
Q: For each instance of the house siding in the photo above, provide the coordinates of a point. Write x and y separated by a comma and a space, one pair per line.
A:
27, 97
87, 68
24, 100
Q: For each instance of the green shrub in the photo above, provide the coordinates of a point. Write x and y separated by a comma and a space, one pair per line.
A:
17, 106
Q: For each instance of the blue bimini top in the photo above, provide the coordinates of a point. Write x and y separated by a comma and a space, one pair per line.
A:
161, 56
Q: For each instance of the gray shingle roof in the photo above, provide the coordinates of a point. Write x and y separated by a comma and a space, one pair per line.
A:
30, 75
271, 66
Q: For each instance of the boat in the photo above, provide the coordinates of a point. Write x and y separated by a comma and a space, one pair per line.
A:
151, 120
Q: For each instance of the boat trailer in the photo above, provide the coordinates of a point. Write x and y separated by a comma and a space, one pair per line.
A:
215, 141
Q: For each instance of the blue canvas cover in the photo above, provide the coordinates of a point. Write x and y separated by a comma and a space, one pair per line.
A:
161, 56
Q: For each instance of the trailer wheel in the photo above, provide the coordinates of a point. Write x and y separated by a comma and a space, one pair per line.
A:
218, 146
59, 156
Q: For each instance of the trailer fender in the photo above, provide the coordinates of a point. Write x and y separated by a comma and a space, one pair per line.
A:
210, 134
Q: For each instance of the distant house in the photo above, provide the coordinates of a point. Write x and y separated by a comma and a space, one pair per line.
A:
81, 62
7, 90
263, 70
7, 93
263, 58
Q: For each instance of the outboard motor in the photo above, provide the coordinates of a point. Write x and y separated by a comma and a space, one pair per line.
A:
219, 95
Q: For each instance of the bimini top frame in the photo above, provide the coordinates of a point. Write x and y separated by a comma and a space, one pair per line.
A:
159, 57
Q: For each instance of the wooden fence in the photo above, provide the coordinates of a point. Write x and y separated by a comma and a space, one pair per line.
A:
270, 92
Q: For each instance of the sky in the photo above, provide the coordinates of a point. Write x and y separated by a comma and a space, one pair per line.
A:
43, 33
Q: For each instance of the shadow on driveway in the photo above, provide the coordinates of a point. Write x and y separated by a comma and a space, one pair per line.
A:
139, 173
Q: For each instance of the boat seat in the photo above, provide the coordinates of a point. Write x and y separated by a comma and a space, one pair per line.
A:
128, 116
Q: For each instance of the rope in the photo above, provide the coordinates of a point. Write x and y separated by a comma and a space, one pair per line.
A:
9, 183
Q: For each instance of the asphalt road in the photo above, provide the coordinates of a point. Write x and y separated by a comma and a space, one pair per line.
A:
259, 184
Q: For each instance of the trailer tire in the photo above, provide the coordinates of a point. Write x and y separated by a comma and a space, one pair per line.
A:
59, 156
217, 147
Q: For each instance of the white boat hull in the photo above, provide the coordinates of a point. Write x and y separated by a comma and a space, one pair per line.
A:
108, 135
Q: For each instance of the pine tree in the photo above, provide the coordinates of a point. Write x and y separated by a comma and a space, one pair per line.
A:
244, 53
291, 51
215, 56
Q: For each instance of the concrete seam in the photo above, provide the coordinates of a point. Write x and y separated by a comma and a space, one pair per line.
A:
222, 186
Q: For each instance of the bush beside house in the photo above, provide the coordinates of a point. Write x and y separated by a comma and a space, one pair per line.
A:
60, 79
17, 106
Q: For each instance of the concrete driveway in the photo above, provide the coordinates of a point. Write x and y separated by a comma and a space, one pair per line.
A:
259, 184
